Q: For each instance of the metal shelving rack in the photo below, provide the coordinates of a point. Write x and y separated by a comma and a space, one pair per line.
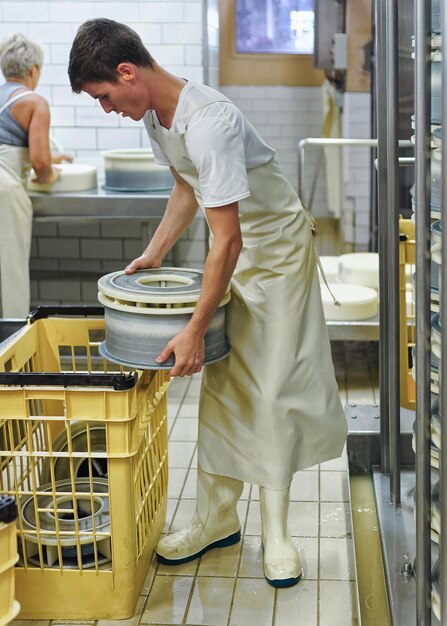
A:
402, 480
423, 315
410, 597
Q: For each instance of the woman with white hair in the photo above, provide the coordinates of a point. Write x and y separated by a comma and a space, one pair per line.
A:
24, 143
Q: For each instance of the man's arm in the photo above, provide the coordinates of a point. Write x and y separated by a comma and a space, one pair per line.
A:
188, 345
180, 212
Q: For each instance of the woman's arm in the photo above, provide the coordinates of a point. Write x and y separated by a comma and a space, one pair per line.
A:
35, 113
180, 211
188, 345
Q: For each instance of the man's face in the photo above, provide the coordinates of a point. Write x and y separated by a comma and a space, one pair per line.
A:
121, 97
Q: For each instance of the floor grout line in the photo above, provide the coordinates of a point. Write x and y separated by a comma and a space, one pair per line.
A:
318, 547
239, 559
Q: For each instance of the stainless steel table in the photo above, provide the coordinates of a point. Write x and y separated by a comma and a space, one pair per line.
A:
358, 330
98, 204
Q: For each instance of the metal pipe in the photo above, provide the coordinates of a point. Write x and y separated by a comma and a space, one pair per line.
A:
323, 141
373, 200
382, 184
406, 161
403, 162
392, 232
423, 330
341, 141
443, 315
348, 143
205, 44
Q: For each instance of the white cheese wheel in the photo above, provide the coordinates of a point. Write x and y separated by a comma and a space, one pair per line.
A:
73, 177
134, 169
411, 309
330, 268
357, 302
359, 268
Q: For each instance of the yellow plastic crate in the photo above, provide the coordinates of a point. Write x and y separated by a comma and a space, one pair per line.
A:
407, 316
84, 452
9, 608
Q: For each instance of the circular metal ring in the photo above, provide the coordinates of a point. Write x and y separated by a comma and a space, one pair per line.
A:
79, 443
60, 496
164, 284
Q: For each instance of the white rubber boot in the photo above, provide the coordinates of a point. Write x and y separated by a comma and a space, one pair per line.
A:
282, 566
215, 523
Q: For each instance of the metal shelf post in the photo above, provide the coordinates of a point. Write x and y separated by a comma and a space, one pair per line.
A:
423, 316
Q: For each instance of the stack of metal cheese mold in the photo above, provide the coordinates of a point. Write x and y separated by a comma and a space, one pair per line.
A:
83, 451
143, 311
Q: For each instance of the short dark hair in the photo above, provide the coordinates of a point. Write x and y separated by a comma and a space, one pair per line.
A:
99, 46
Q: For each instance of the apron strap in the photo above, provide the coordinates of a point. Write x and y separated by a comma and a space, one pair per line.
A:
14, 98
313, 227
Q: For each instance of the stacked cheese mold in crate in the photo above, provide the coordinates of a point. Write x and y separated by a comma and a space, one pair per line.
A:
9, 607
83, 450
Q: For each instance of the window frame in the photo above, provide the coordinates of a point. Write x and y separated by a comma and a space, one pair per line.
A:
259, 68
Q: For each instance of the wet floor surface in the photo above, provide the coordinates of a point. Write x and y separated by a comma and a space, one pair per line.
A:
226, 587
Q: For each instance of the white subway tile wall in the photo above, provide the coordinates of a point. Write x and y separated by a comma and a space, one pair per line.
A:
211, 63
184, 37
285, 115
356, 125
172, 30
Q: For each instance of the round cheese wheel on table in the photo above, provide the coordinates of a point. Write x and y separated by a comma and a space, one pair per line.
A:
73, 177
359, 268
357, 302
330, 268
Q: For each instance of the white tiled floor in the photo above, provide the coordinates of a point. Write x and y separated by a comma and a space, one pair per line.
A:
226, 587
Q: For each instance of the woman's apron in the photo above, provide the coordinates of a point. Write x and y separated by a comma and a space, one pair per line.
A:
272, 407
16, 220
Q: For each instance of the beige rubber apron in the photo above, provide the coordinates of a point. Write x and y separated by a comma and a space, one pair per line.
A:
16, 219
272, 407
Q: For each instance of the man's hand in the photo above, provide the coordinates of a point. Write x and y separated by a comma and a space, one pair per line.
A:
141, 263
189, 352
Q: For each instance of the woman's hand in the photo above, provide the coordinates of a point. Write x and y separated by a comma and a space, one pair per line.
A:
50, 178
188, 348
59, 157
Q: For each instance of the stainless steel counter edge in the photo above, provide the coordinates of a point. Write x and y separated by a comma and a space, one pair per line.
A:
99, 204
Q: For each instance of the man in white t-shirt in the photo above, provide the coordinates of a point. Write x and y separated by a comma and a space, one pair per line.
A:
272, 406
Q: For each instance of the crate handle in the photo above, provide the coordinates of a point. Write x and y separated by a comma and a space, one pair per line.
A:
119, 382
43, 311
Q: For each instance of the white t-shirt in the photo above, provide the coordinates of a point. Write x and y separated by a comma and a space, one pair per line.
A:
221, 143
